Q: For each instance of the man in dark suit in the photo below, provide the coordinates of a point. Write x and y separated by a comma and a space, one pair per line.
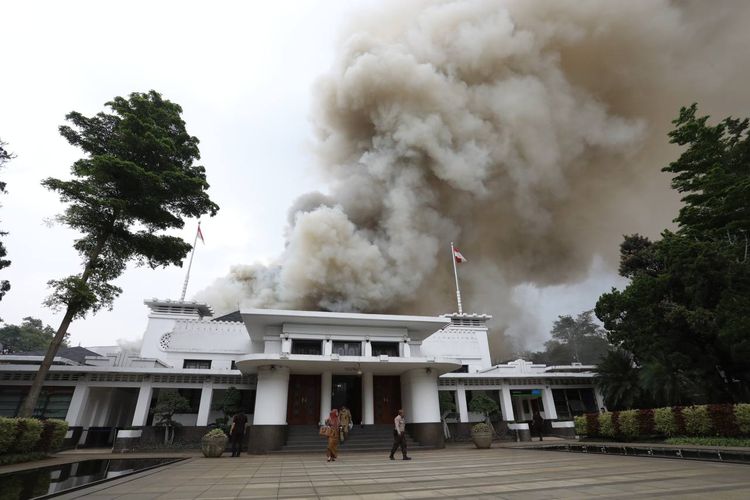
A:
237, 433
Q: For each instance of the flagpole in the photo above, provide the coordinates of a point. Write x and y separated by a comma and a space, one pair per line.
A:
190, 265
455, 274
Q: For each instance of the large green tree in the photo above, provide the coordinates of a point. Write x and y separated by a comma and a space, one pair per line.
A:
5, 156
574, 340
30, 335
683, 315
138, 179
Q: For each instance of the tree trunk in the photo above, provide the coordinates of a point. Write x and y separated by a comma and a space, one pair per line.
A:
36, 387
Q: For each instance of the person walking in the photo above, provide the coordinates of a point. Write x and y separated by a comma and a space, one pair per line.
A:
538, 423
345, 416
237, 433
399, 435
333, 436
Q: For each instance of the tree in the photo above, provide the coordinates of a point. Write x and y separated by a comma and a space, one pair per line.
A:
618, 378
169, 402
5, 156
137, 179
683, 315
574, 340
30, 335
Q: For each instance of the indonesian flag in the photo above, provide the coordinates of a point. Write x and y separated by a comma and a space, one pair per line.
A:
200, 234
458, 256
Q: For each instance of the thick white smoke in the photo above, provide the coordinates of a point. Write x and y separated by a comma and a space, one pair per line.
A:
530, 132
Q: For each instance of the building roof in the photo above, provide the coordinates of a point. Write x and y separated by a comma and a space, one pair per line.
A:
234, 317
76, 354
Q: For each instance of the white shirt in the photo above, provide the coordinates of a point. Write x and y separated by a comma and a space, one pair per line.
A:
400, 424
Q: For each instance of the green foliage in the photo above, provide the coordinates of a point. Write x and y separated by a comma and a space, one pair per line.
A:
683, 314
664, 421
232, 402
742, 417
480, 427
7, 434
482, 403
709, 441
28, 432
5, 156
213, 433
628, 421
592, 424
619, 380
447, 401
606, 426
697, 420
30, 335
574, 340
53, 434
580, 423
169, 402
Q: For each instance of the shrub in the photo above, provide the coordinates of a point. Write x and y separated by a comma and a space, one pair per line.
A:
28, 432
592, 424
214, 433
723, 422
697, 420
629, 424
664, 421
481, 427
646, 422
742, 417
7, 434
679, 420
53, 434
606, 427
616, 422
580, 423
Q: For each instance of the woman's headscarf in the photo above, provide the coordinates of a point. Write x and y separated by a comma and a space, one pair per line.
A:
334, 417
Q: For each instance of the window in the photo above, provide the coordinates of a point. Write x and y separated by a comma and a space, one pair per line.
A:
202, 364
313, 347
233, 366
53, 402
463, 369
347, 348
385, 348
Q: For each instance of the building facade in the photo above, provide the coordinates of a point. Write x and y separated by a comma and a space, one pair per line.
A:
291, 368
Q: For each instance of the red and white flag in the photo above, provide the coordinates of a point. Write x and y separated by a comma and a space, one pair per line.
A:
458, 256
200, 234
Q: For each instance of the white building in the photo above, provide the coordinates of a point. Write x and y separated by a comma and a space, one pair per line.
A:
292, 367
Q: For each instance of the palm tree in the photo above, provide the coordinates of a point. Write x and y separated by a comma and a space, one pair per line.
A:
618, 378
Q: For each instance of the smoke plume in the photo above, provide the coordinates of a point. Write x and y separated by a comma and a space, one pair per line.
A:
531, 133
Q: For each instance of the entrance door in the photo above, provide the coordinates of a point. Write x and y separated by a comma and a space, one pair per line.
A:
303, 404
387, 398
346, 390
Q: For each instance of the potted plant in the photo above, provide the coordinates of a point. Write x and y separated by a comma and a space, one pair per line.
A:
481, 435
214, 443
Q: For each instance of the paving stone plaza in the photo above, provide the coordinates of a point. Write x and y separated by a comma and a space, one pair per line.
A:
455, 472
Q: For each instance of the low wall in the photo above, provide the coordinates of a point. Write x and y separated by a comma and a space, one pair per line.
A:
152, 438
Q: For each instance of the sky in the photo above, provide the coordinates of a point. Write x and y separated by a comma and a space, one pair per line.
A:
243, 73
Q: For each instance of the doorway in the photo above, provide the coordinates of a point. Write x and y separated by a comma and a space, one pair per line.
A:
387, 398
303, 404
346, 390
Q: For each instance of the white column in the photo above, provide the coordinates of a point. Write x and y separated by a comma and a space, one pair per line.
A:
368, 349
550, 412
77, 404
271, 395
140, 416
368, 396
463, 409
425, 403
506, 404
326, 386
327, 347
207, 392
599, 399
405, 350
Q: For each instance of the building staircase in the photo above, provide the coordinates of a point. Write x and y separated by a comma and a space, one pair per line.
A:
305, 438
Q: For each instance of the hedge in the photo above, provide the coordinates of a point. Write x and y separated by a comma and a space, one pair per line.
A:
710, 421
31, 435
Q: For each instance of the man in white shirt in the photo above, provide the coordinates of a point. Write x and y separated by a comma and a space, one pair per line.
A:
399, 435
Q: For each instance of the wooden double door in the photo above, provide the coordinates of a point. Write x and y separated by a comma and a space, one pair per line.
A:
387, 398
303, 403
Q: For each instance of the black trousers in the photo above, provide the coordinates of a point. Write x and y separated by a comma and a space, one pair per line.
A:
236, 440
399, 440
